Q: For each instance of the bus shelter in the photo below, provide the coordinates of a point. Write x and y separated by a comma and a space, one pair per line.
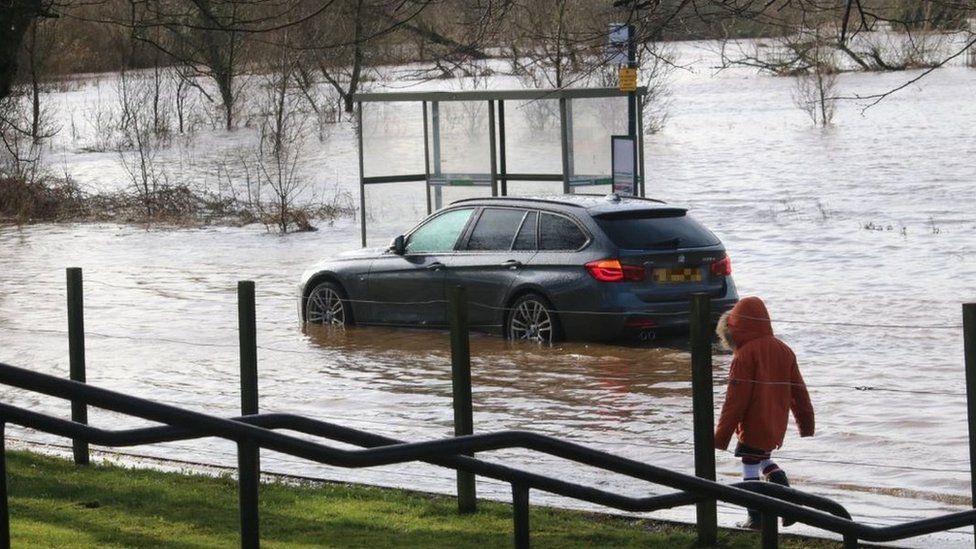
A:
614, 165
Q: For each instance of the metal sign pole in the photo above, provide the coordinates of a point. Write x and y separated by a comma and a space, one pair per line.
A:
436, 133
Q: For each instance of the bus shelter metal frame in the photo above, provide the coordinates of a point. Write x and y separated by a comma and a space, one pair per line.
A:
498, 177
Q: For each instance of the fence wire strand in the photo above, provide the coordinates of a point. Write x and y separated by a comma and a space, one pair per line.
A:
294, 299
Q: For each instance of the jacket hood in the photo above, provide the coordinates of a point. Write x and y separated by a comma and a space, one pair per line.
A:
749, 320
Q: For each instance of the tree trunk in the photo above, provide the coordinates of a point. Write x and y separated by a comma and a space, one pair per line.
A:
358, 57
35, 87
15, 19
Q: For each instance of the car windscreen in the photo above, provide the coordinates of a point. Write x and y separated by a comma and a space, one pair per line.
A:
655, 230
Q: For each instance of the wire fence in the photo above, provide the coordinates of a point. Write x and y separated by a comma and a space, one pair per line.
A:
210, 296
324, 352
294, 299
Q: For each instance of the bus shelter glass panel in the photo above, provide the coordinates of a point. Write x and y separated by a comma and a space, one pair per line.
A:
392, 209
595, 121
464, 142
393, 139
459, 150
533, 146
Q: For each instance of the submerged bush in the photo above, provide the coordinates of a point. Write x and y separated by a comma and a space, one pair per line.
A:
48, 200
42, 200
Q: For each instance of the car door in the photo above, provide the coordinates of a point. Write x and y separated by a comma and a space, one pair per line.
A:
408, 289
490, 259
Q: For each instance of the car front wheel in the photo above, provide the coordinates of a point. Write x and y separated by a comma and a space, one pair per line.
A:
532, 319
327, 304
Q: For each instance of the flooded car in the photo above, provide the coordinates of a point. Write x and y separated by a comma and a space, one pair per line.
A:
573, 267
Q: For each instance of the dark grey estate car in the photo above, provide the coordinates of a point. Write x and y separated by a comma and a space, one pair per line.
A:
577, 267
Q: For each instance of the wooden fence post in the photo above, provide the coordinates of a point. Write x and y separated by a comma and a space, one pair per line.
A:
461, 381
969, 350
248, 454
4, 496
76, 355
703, 407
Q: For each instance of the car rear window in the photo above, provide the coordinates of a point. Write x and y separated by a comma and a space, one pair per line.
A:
655, 230
495, 229
558, 233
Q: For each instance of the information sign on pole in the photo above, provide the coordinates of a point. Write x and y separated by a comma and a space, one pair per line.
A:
628, 79
618, 44
622, 158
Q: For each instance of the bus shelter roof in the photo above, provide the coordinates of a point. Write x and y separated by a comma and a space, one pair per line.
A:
490, 95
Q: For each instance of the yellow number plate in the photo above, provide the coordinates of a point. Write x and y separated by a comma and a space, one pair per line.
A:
673, 276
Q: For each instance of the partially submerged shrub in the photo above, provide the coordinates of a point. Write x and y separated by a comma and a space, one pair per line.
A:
41, 200
62, 200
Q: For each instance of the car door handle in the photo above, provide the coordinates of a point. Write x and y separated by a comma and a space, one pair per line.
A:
512, 264
435, 266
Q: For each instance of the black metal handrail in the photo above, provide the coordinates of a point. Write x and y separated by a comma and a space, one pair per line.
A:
257, 430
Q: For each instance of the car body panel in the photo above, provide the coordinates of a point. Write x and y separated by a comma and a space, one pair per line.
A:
407, 290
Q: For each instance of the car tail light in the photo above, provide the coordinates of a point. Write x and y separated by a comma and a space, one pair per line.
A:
641, 323
611, 270
722, 267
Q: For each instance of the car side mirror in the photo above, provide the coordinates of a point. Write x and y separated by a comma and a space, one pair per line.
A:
399, 245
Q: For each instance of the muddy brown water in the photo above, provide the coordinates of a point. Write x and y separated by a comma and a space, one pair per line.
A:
861, 237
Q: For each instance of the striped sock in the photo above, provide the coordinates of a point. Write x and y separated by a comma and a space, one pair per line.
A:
768, 467
750, 471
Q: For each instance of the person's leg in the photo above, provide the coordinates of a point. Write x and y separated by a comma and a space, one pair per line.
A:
752, 459
772, 473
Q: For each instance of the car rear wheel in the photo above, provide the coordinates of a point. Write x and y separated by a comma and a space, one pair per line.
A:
327, 304
532, 319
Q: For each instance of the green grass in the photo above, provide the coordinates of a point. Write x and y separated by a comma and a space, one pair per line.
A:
53, 503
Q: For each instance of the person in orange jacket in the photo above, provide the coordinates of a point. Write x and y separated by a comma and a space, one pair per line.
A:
764, 386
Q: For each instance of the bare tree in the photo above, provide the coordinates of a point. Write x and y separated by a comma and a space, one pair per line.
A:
207, 37
814, 90
282, 128
20, 155
557, 43
142, 131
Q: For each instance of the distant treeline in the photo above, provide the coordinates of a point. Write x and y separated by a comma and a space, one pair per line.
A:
110, 35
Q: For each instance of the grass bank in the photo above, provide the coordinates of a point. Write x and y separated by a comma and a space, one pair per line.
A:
56, 504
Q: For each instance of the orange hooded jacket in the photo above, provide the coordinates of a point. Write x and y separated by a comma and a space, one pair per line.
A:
764, 383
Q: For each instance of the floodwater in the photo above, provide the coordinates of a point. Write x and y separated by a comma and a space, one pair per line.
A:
861, 237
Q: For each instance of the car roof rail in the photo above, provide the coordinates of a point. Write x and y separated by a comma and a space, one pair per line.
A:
616, 197
523, 199
612, 197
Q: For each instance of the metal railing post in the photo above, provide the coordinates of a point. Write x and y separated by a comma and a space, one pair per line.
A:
770, 531
461, 382
969, 349
520, 512
248, 494
703, 408
247, 327
76, 355
248, 454
4, 501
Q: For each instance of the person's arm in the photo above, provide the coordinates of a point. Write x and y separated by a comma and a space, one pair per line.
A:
800, 403
737, 397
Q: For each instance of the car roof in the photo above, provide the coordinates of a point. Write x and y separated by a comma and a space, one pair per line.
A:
594, 204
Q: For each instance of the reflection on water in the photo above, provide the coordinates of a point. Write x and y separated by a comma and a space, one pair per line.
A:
596, 379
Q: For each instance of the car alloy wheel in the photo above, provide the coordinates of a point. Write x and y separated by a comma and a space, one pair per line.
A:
532, 320
325, 305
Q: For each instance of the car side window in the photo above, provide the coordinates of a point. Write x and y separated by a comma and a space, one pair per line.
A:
495, 229
559, 233
439, 234
526, 236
